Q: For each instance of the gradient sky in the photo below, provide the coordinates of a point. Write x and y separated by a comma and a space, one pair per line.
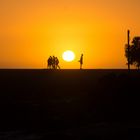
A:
32, 30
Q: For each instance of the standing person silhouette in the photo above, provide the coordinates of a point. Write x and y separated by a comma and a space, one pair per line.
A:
53, 62
49, 63
81, 61
57, 63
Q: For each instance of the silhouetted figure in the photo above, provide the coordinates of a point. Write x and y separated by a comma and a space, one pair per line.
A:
57, 63
53, 62
49, 63
81, 61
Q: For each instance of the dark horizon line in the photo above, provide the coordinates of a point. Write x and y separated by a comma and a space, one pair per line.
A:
64, 69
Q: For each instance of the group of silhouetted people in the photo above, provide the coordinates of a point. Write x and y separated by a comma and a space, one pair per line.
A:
53, 63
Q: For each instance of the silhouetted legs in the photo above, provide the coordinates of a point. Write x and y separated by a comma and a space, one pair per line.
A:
80, 66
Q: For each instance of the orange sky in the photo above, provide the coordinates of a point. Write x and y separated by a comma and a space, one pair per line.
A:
32, 30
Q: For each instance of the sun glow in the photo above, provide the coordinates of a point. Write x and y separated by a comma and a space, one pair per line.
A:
68, 56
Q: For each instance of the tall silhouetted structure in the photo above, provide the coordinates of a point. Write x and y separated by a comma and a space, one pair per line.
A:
128, 39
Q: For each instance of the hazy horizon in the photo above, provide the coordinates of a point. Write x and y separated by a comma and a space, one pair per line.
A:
32, 30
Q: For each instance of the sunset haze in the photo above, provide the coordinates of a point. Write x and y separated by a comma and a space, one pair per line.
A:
32, 30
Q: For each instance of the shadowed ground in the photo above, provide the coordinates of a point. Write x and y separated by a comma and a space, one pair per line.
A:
71, 104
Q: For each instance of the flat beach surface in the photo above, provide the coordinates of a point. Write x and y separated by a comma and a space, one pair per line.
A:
69, 104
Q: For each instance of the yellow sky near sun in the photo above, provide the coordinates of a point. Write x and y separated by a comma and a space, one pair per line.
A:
32, 30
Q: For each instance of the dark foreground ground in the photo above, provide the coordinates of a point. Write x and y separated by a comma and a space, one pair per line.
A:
69, 104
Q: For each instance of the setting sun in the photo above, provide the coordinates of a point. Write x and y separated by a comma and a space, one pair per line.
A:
68, 56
